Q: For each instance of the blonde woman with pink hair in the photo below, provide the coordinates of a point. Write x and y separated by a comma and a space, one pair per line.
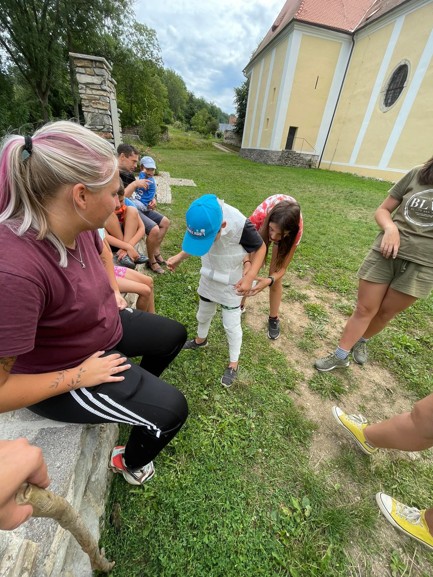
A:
65, 333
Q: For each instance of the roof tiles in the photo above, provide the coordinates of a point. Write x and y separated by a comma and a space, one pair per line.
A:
344, 15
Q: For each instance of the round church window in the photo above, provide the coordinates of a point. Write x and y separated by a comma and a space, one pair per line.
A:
395, 85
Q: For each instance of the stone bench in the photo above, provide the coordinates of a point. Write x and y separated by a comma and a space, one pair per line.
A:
77, 458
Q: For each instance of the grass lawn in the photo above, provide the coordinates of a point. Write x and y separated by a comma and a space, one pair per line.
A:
257, 484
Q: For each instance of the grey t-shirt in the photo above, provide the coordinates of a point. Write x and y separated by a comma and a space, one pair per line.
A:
414, 219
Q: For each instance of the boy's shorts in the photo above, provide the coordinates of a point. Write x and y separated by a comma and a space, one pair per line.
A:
149, 217
401, 275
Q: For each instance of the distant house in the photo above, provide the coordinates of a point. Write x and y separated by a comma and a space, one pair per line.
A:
344, 85
223, 127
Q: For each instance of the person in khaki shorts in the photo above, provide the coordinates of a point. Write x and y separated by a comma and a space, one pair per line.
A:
397, 271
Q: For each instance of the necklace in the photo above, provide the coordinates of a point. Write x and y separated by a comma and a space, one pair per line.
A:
80, 260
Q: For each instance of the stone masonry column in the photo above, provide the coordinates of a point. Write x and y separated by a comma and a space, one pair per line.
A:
97, 90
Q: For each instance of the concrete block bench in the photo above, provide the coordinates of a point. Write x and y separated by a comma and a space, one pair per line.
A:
77, 458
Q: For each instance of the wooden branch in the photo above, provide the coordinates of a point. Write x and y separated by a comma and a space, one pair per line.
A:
48, 504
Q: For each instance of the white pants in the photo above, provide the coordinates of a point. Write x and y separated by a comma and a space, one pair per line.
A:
231, 322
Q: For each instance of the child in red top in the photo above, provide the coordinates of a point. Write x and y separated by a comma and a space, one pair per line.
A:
279, 221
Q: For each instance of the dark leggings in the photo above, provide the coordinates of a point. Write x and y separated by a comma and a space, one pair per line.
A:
156, 409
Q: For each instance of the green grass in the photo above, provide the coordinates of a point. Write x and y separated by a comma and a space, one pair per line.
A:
235, 494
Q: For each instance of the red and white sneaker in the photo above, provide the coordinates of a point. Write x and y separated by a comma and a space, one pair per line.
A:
137, 477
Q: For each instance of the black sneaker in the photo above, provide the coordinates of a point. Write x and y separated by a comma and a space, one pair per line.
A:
142, 259
127, 262
228, 377
193, 345
273, 329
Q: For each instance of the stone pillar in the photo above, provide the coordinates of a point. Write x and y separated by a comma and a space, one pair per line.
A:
97, 90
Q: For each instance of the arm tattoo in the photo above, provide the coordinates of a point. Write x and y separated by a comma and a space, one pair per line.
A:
58, 380
75, 382
6, 363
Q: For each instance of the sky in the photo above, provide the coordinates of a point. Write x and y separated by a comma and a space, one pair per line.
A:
209, 42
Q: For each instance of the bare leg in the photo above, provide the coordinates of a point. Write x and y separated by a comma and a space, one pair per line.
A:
164, 225
394, 302
429, 520
136, 282
152, 243
113, 227
163, 228
407, 432
276, 290
370, 297
132, 226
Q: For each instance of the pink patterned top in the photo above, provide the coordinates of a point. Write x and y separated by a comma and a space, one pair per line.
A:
261, 212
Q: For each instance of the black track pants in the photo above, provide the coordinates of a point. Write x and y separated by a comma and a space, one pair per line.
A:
156, 409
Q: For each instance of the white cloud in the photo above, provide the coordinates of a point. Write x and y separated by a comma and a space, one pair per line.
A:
209, 42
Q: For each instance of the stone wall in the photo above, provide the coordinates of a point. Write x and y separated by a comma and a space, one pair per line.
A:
232, 137
280, 157
77, 457
97, 90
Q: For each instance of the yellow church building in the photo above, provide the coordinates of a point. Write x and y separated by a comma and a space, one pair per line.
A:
344, 85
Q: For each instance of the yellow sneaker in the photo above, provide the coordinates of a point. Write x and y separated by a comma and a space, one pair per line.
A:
410, 520
355, 425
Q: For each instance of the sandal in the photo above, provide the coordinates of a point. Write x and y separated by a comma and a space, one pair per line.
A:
159, 259
154, 267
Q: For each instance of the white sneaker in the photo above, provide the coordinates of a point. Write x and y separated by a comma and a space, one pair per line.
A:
137, 477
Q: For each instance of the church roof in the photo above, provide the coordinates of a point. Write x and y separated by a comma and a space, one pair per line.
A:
379, 8
341, 15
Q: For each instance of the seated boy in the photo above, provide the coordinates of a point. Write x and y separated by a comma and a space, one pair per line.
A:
156, 224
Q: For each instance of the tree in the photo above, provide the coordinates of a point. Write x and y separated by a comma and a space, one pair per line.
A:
177, 93
142, 94
16, 102
38, 34
29, 35
203, 122
241, 100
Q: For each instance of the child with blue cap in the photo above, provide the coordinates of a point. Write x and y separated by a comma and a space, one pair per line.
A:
231, 252
156, 224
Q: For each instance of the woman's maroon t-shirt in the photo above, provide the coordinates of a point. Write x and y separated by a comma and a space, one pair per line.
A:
52, 318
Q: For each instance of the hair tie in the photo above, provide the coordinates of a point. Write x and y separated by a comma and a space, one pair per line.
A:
28, 147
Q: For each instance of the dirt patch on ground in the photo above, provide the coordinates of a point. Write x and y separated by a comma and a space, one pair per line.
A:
370, 390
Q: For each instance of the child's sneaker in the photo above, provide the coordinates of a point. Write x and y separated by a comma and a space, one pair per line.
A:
138, 477
192, 345
410, 520
355, 425
273, 328
228, 377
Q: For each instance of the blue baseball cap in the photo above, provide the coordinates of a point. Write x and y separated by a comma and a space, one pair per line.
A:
204, 218
147, 162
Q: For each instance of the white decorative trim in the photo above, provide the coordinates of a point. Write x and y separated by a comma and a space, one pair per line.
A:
253, 120
332, 99
408, 102
286, 85
380, 78
266, 96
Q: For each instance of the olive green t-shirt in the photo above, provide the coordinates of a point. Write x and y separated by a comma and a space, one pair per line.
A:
414, 219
